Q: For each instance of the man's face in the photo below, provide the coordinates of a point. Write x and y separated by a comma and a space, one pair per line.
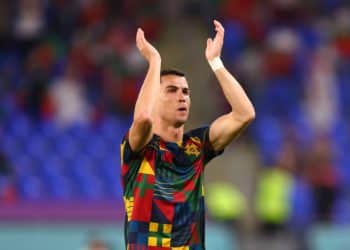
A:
174, 100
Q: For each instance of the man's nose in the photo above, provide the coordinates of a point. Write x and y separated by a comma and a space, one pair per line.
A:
181, 97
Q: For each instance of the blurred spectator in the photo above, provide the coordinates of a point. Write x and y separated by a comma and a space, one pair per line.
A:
282, 47
323, 178
63, 17
34, 92
30, 21
29, 24
225, 204
321, 92
272, 199
7, 188
5, 169
6, 11
93, 13
226, 208
342, 32
274, 192
68, 99
286, 12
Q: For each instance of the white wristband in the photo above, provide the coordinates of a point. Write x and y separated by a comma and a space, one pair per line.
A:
216, 63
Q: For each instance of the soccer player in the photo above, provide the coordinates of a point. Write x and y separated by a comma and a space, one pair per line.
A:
163, 167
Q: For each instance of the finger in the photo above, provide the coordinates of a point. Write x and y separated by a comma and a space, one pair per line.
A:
139, 35
218, 25
219, 28
219, 36
143, 38
216, 22
142, 42
209, 42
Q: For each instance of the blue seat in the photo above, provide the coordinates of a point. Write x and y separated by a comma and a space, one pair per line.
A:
23, 166
341, 213
92, 187
302, 206
234, 40
281, 97
65, 146
32, 188
96, 148
20, 126
269, 136
304, 132
36, 146
62, 188
344, 93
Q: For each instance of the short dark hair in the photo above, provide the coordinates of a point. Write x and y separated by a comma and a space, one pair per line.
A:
175, 72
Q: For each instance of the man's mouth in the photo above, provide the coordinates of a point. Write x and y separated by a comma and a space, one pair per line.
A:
182, 109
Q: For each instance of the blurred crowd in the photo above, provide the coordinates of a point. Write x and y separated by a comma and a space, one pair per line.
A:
69, 70
74, 62
293, 58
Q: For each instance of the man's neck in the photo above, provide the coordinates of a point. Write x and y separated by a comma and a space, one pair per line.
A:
169, 132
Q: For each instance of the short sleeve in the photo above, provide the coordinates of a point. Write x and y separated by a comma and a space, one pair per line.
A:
130, 161
207, 149
126, 153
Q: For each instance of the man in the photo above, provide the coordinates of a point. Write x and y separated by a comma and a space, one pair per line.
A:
162, 168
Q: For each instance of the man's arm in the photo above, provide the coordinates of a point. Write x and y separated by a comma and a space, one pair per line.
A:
227, 127
141, 129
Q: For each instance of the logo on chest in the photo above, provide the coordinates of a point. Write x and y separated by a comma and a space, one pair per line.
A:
192, 147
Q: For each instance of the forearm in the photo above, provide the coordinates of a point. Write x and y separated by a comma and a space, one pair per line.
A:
235, 95
227, 127
149, 91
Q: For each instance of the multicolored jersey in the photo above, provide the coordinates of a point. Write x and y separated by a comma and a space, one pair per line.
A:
164, 194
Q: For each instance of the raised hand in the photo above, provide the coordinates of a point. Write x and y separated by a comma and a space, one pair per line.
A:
146, 49
214, 46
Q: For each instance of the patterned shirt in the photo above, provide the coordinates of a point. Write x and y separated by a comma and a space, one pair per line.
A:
163, 192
